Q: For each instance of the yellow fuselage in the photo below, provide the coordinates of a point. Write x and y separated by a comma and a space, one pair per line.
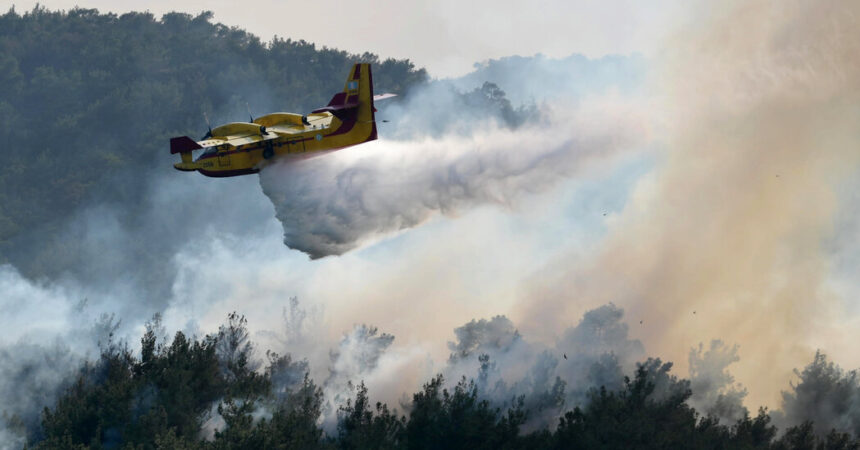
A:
242, 148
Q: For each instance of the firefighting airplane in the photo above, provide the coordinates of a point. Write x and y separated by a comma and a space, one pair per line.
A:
242, 148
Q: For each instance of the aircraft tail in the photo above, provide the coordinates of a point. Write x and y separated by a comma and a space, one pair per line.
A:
355, 102
183, 145
362, 75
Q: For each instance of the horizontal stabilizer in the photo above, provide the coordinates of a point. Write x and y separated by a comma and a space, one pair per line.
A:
379, 97
183, 144
339, 102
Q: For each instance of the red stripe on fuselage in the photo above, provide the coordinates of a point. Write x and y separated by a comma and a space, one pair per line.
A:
344, 128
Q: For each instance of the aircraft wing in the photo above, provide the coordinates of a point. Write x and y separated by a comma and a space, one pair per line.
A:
386, 96
237, 133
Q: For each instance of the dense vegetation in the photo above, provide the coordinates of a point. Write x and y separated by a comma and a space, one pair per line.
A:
209, 393
88, 102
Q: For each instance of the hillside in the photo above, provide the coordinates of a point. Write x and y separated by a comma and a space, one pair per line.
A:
88, 102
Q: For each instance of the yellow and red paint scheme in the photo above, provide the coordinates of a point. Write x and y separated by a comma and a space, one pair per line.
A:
242, 148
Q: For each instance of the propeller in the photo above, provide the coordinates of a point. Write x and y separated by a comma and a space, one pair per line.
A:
251, 120
208, 125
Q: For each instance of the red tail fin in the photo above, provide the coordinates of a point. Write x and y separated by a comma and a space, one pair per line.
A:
182, 144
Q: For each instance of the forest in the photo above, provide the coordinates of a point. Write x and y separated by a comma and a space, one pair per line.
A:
88, 102
166, 393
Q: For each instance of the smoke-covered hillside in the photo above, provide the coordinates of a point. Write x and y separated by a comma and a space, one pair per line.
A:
545, 253
87, 103
211, 392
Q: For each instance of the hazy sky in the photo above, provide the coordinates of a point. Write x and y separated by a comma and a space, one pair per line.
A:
445, 36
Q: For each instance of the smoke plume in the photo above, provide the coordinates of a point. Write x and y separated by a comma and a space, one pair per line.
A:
715, 392
38, 361
725, 238
753, 120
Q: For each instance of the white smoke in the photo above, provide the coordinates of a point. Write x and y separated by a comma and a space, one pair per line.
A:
715, 392
551, 379
48, 332
197, 249
355, 358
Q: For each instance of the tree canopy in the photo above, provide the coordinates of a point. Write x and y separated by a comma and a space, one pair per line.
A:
88, 102
207, 393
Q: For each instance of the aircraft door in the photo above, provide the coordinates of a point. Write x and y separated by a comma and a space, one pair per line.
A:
297, 146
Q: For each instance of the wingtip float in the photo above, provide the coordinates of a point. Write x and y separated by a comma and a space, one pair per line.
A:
242, 148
